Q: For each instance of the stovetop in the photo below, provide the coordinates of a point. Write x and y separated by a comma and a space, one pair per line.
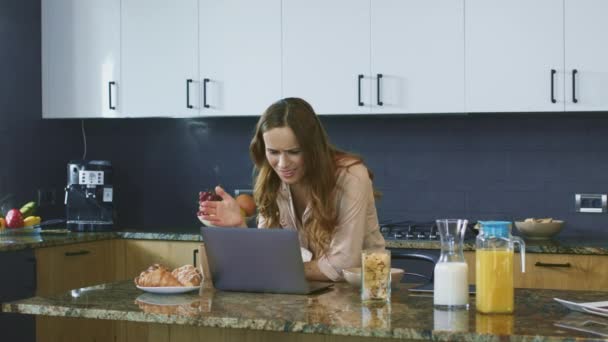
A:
417, 230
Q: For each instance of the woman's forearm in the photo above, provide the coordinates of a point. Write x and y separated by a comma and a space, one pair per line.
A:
312, 271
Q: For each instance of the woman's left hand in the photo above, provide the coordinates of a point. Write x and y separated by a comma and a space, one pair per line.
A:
224, 213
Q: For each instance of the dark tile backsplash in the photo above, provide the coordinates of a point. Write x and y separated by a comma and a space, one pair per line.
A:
482, 166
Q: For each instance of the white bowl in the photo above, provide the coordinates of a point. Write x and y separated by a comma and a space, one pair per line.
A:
353, 276
250, 221
207, 223
539, 231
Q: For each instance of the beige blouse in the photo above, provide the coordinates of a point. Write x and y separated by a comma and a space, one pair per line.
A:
357, 227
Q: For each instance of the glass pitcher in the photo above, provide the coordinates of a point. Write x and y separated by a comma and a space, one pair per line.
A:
494, 266
451, 287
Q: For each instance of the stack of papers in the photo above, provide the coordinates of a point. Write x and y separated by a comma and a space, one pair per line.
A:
585, 323
596, 308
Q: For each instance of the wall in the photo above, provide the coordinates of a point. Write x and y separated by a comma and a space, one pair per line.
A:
32, 151
491, 166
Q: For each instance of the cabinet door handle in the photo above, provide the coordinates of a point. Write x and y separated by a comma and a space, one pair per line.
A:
359, 78
205, 81
188, 105
574, 72
548, 264
553, 71
110, 84
380, 103
194, 254
77, 253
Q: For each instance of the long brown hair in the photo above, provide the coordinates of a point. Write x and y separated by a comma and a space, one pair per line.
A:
322, 160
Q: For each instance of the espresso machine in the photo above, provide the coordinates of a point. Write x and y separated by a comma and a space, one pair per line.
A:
89, 195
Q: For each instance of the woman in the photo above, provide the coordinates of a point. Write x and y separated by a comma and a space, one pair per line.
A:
305, 183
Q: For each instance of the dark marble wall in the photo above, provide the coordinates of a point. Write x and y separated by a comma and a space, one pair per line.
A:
483, 166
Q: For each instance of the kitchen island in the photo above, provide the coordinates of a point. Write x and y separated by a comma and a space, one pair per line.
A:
336, 314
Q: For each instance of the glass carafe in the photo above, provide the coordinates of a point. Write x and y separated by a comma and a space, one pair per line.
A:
494, 267
451, 288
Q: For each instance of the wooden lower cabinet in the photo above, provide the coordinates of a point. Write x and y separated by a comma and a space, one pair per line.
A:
62, 268
556, 271
565, 272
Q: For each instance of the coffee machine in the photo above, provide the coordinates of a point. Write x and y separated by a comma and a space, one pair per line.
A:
89, 195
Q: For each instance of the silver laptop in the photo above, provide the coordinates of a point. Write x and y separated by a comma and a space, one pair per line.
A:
257, 260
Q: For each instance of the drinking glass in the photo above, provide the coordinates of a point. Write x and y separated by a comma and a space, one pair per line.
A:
376, 275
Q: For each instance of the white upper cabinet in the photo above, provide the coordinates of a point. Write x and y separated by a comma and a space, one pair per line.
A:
159, 56
417, 56
240, 56
514, 58
326, 54
586, 55
80, 58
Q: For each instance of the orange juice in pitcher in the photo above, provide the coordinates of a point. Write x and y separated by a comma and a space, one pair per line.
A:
494, 267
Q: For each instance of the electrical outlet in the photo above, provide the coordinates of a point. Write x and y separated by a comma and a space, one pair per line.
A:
591, 203
46, 197
243, 191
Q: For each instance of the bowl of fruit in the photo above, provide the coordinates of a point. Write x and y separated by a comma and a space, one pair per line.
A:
539, 229
20, 220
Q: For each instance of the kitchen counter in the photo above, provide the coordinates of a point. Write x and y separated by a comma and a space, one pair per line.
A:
336, 312
566, 245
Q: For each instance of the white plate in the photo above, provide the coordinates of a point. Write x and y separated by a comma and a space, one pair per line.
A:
155, 299
168, 289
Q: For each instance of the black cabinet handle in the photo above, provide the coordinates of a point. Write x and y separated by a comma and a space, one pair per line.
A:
194, 254
81, 252
547, 264
205, 81
380, 103
359, 78
110, 84
188, 105
574, 72
552, 86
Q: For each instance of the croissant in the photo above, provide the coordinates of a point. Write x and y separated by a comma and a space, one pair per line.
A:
188, 275
156, 276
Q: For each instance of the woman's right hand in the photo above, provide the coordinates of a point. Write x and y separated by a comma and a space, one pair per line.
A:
224, 213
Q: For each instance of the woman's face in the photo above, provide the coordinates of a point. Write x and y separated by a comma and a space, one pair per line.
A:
284, 154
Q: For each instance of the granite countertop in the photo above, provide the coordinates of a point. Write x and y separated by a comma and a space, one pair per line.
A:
561, 245
337, 311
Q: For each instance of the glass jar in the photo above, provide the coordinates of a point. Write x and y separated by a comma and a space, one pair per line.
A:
494, 248
451, 286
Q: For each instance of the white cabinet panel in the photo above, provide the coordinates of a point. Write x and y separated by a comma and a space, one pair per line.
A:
326, 45
159, 53
240, 55
80, 57
510, 49
418, 48
587, 53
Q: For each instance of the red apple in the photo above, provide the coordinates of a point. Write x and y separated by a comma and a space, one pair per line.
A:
14, 219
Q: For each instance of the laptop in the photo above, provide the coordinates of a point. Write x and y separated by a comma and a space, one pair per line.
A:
257, 260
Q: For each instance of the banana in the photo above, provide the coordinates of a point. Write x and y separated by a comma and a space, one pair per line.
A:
31, 221
28, 209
